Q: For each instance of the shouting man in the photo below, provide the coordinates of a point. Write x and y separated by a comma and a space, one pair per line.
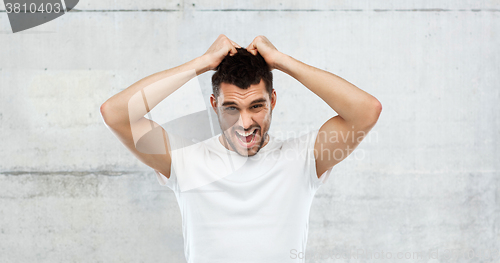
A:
244, 196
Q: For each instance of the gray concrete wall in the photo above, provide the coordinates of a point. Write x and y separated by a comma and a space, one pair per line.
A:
426, 179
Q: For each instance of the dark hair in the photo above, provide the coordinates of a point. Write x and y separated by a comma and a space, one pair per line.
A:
242, 70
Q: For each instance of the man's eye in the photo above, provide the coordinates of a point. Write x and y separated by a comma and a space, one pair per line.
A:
230, 108
256, 106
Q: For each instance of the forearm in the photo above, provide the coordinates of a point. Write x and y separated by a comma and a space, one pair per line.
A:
351, 103
135, 101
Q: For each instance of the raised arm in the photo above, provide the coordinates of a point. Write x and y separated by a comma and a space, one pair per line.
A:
357, 110
124, 112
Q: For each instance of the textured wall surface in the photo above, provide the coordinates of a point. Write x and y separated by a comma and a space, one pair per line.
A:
424, 186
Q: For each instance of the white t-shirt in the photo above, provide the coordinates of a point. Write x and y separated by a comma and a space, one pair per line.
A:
244, 209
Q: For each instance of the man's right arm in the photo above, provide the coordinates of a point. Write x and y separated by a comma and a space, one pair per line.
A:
124, 112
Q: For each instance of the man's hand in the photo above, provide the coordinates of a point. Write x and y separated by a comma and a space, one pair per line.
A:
219, 50
263, 46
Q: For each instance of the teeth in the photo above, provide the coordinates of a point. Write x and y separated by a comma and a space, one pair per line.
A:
246, 134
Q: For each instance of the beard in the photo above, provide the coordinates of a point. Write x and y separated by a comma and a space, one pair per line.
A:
230, 137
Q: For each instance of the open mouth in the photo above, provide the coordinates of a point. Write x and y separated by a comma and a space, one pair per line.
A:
247, 139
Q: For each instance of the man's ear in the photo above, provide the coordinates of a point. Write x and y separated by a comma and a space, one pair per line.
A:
213, 102
273, 99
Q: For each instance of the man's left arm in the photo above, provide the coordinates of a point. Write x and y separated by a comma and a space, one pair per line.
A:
357, 110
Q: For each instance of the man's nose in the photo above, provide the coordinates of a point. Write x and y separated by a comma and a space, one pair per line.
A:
245, 120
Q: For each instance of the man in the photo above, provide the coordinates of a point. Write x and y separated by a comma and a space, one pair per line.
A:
244, 196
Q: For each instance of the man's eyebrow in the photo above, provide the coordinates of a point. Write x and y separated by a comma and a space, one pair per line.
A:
261, 100
227, 103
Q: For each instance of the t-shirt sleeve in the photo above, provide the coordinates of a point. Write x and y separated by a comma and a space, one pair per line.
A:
310, 140
163, 180
176, 144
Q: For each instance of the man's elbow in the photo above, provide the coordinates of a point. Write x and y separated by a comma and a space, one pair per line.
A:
372, 114
106, 115
375, 111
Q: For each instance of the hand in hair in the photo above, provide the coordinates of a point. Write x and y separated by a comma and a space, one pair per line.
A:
219, 50
265, 48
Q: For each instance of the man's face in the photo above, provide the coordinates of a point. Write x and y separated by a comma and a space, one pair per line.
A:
244, 116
